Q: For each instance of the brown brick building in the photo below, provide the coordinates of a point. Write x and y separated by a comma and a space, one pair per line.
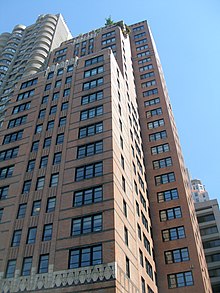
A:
94, 193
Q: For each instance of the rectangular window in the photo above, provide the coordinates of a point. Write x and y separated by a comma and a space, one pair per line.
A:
47, 87
154, 112
6, 172
57, 158
209, 230
108, 34
58, 83
42, 114
60, 138
162, 163
45, 100
140, 42
152, 102
35, 146
94, 60
158, 135
56, 96
54, 179
25, 95
90, 149
180, 280
127, 262
64, 106
147, 75
146, 67
93, 71
68, 79
40, 183
61, 51
50, 125
138, 28
66, 92
91, 113
142, 54
147, 244
21, 211
176, 255
167, 195
10, 271
92, 84
150, 92
26, 267
36, 208
4, 192
47, 232
159, 149
89, 171
50, 75
138, 36
92, 98
43, 162
211, 244
91, 130
53, 110
170, 214
149, 269
213, 258
70, 68
143, 288
16, 238
88, 224
164, 178
88, 196
13, 137
206, 218
21, 108
47, 142
145, 60
32, 233
9, 154
155, 124
108, 41
28, 83
60, 71
43, 264
86, 256
39, 128
142, 47
62, 122
173, 234
51, 203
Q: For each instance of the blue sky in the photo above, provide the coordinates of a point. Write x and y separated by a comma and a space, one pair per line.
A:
187, 35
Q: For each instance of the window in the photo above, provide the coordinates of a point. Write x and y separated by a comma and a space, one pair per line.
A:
94, 60
91, 113
87, 225
42, 114
86, 256
10, 272
6, 172
21, 211
125, 208
89, 171
108, 34
139, 35
167, 195
55, 96
16, 238
26, 267
36, 208
154, 112
21, 108
53, 110
147, 244
149, 269
60, 138
211, 244
93, 83
40, 183
47, 233
91, 130
122, 162
9, 154
25, 95
206, 218
43, 162
150, 92
47, 87
45, 100
39, 128
142, 47
147, 75
93, 71
90, 149
4, 192
127, 267
35, 146
51, 203
1, 214
92, 98
162, 163
50, 75
32, 233
144, 221
88, 196
61, 51
146, 67
173, 233
139, 231
60, 71
176, 255
142, 54
108, 41
143, 288
68, 79
142, 61
47, 142
158, 135
160, 149
64, 106
58, 83
180, 280
164, 178
57, 158
155, 124
62, 121
43, 264
50, 125
141, 258
13, 137
54, 179
28, 83
66, 92
209, 230
123, 183
70, 68
152, 102
17, 121
138, 28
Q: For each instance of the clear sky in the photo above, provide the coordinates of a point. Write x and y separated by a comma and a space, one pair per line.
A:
187, 35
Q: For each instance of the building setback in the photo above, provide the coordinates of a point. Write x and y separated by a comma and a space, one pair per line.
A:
93, 173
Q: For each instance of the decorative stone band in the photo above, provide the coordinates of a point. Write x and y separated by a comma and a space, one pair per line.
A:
58, 279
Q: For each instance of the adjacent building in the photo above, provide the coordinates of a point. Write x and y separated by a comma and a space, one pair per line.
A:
94, 191
198, 191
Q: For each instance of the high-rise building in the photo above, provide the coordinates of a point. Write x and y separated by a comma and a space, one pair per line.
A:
25, 51
208, 216
198, 191
94, 191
